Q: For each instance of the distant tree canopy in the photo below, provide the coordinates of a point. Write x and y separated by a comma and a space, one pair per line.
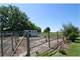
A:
12, 18
70, 32
47, 29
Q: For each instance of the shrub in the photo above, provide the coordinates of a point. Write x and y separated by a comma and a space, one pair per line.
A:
70, 32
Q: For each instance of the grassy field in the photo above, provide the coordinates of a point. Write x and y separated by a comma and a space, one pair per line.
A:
73, 50
52, 34
51, 53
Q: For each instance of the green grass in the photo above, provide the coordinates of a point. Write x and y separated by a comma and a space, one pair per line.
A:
58, 54
47, 53
52, 34
78, 37
74, 49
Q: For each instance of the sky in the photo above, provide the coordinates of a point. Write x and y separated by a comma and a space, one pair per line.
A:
52, 15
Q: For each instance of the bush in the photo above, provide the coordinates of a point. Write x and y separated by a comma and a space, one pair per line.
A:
70, 32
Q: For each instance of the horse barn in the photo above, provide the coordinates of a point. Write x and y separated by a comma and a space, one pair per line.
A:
32, 33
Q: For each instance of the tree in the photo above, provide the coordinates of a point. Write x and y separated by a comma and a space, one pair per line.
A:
39, 29
70, 32
15, 19
47, 30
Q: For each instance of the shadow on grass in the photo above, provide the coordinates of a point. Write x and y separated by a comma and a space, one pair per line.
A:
77, 41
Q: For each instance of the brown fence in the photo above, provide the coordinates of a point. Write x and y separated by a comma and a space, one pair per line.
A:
42, 45
17, 43
12, 43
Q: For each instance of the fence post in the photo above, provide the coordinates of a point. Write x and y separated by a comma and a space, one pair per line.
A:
49, 38
12, 41
57, 36
1, 45
28, 44
15, 33
63, 38
1, 29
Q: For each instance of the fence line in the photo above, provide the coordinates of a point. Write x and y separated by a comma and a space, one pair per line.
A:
11, 44
54, 47
17, 47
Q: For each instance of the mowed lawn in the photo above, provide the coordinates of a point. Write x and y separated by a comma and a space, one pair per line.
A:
73, 50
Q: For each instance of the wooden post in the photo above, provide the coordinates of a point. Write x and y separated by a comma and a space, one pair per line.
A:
57, 37
28, 45
63, 38
1, 45
1, 20
12, 41
49, 39
15, 33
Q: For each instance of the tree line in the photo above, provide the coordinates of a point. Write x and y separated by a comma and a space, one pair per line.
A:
69, 31
13, 19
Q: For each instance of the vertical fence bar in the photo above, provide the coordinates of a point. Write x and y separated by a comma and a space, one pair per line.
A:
28, 44
15, 33
1, 28
63, 38
1, 44
49, 38
57, 36
12, 41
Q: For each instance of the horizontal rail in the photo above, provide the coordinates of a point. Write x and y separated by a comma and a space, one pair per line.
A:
41, 44
53, 48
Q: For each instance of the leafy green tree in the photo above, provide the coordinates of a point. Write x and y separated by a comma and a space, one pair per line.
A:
47, 30
2, 21
11, 14
70, 32
39, 29
15, 19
